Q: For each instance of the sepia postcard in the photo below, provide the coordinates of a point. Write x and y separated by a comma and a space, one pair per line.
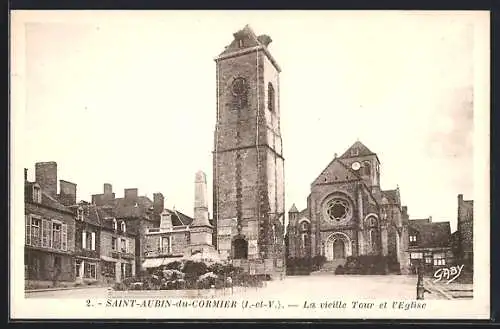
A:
249, 165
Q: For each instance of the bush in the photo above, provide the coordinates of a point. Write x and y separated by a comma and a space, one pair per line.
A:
318, 261
299, 266
340, 270
194, 269
367, 264
177, 265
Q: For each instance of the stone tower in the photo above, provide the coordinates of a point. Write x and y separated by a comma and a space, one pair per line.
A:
201, 230
248, 158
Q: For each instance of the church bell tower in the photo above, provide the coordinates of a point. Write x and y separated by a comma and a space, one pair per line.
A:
248, 159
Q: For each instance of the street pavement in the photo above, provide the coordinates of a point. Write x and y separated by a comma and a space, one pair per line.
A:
317, 285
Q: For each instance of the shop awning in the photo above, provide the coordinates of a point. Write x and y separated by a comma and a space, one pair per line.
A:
152, 262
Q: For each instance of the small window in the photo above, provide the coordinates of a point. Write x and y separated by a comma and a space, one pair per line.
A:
37, 194
354, 152
123, 247
79, 215
240, 43
439, 259
305, 226
115, 225
413, 238
123, 227
416, 255
113, 243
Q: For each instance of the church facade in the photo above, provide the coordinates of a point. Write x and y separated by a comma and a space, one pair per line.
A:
348, 214
248, 163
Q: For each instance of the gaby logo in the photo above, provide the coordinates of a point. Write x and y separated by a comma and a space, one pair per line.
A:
450, 274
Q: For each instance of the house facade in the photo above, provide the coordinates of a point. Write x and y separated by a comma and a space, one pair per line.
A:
87, 243
49, 227
429, 243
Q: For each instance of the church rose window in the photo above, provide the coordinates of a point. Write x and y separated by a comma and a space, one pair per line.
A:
337, 209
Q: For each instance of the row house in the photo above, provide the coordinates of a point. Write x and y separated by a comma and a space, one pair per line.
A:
49, 226
429, 243
126, 219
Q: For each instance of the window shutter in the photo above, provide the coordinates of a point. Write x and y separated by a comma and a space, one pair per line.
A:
93, 240
127, 246
27, 219
64, 237
84, 239
46, 233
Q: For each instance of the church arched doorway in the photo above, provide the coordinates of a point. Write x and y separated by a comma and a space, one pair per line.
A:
338, 249
240, 248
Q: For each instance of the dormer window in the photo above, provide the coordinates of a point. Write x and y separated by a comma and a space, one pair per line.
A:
240, 43
37, 194
115, 225
413, 238
79, 214
123, 227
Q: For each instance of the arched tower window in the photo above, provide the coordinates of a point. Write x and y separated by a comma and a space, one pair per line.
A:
305, 240
366, 168
270, 97
304, 226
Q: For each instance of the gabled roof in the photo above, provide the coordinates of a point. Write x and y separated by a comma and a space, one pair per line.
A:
336, 162
431, 235
392, 196
179, 219
47, 200
125, 209
293, 209
53, 203
361, 149
91, 215
304, 213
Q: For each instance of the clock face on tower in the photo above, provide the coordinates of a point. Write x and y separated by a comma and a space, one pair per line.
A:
356, 165
239, 87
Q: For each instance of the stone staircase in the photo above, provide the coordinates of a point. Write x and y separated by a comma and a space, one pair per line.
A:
331, 266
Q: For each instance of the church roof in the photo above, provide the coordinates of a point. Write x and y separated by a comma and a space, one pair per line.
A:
361, 149
293, 209
245, 40
392, 196
250, 39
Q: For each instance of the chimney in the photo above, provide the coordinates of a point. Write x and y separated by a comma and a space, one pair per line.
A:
131, 195
25, 174
67, 193
158, 203
108, 189
46, 176
166, 220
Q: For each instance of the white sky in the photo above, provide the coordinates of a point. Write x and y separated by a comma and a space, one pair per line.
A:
129, 99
